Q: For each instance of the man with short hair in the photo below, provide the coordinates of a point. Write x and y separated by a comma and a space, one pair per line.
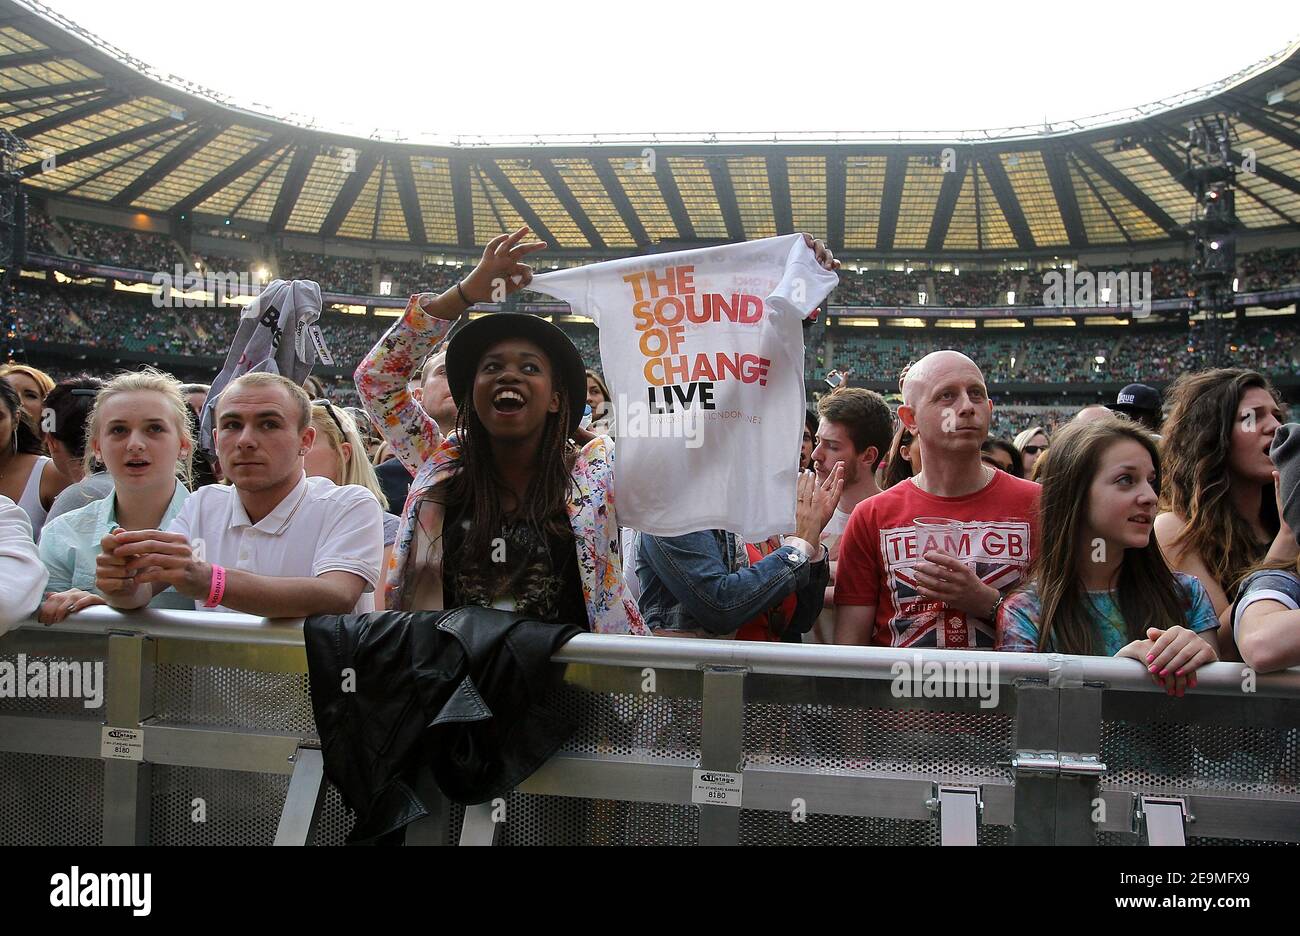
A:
433, 395
855, 430
938, 582
196, 394
274, 542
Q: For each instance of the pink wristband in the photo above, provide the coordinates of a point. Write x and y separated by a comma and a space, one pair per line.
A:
218, 587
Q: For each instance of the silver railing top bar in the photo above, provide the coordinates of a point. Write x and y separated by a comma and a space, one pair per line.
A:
1057, 670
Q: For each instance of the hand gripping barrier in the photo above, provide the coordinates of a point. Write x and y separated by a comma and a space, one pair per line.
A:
202, 733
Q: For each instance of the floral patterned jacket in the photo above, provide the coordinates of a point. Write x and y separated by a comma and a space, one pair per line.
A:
382, 379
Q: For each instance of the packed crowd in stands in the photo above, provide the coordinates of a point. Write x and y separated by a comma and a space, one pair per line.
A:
98, 318
135, 250
1058, 356
966, 288
351, 275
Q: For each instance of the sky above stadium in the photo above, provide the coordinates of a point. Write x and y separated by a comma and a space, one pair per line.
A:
396, 69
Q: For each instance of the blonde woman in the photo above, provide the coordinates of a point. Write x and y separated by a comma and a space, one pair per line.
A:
33, 386
339, 454
1031, 444
139, 429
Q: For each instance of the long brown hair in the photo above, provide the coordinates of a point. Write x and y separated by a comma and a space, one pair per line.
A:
474, 482
1196, 448
898, 468
1146, 591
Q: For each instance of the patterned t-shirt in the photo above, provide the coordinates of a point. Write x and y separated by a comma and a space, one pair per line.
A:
1019, 616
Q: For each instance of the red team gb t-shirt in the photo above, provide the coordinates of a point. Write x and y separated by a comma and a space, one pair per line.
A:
998, 534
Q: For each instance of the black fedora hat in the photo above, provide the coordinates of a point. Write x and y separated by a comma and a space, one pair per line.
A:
472, 340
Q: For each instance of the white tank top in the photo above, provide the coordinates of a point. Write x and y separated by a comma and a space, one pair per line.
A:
31, 497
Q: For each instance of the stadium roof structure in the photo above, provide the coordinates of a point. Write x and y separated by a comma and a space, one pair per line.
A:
103, 127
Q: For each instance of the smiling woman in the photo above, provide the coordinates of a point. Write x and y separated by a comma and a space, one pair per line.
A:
505, 511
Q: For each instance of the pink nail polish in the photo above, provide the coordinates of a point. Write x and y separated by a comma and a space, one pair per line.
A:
1151, 669
1151, 657
1164, 672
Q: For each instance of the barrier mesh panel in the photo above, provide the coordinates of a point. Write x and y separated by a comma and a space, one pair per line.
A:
758, 827
1160, 756
334, 822
243, 698
626, 724
936, 744
532, 819
200, 806
35, 805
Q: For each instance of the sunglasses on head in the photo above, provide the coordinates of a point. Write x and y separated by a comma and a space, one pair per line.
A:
329, 408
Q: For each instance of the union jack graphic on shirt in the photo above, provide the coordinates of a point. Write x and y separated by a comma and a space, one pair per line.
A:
998, 551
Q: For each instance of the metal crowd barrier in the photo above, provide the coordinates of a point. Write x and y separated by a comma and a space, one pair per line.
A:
206, 736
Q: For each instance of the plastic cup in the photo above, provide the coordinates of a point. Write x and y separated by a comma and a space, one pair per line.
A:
937, 533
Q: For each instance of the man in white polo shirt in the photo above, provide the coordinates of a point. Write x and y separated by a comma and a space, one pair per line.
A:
274, 542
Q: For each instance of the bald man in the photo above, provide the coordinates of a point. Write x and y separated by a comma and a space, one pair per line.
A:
940, 585
1092, 414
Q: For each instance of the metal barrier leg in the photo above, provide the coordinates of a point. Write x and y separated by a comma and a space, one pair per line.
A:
303, 801
959, 815
1035, 765
722, 748
1164, 818
129, 700
1079, 741
479, 828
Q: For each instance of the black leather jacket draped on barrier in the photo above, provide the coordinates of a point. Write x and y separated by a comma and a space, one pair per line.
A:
459, 692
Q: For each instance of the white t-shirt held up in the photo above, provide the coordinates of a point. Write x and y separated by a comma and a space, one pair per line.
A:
319, 527
703, 352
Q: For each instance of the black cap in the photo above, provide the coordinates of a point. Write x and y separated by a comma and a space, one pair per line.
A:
1137, 398
472, 341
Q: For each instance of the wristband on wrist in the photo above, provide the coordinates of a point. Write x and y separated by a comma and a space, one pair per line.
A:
218, 587
993, 615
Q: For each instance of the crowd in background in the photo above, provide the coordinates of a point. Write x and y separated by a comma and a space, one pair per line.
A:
956, 288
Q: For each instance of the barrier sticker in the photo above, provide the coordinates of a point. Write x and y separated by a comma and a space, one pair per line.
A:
122, 743
717, 788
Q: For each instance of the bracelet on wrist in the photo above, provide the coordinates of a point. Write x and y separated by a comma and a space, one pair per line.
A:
217, 590
460, 291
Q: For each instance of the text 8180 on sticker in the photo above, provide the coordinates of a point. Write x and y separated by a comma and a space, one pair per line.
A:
122, 743
716, 788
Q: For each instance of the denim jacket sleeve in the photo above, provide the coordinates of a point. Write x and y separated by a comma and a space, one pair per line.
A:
691, 567
810, 598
